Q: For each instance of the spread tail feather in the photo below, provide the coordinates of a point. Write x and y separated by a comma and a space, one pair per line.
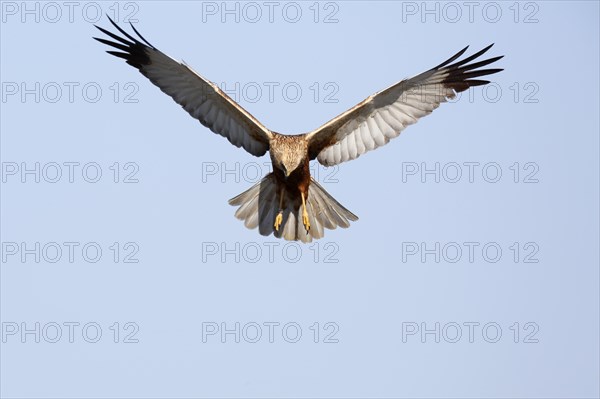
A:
259, 205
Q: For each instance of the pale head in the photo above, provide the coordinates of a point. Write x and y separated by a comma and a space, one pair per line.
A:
288, 152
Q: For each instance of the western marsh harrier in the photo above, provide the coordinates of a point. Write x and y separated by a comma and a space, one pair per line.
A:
288, 202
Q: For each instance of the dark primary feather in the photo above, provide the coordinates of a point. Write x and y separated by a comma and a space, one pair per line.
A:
460, 73
133, 51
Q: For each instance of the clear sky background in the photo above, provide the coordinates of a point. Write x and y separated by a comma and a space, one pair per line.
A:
478, 278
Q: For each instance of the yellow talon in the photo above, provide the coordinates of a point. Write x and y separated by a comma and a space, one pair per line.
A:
305, 220
278, 220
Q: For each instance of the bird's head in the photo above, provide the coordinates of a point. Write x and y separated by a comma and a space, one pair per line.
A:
289, 164
287, 153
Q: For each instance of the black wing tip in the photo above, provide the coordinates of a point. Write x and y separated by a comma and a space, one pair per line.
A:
447, 63
485, 50
127, 35
451, 59
140, 35
131, 50
477, 82
463, 63
492, 71
125, 56
462, 73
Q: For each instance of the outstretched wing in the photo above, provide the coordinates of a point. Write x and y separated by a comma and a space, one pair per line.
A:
381, 117
201, 98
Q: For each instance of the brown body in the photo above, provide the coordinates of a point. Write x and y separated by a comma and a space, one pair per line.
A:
290, 154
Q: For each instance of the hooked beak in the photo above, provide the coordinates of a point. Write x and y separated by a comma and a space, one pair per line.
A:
285, 172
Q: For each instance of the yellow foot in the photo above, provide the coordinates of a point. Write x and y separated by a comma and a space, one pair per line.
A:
305, 220
278, 220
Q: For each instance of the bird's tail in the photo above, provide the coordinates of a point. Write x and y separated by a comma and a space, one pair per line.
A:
259, 206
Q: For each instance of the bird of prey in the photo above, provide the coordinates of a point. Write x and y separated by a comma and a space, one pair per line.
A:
288, 202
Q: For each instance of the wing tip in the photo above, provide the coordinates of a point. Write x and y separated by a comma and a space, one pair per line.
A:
449, 60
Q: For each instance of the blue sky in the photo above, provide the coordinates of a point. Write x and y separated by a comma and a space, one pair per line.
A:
472, 271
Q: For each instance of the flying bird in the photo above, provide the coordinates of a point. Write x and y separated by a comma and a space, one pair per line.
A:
288, 202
